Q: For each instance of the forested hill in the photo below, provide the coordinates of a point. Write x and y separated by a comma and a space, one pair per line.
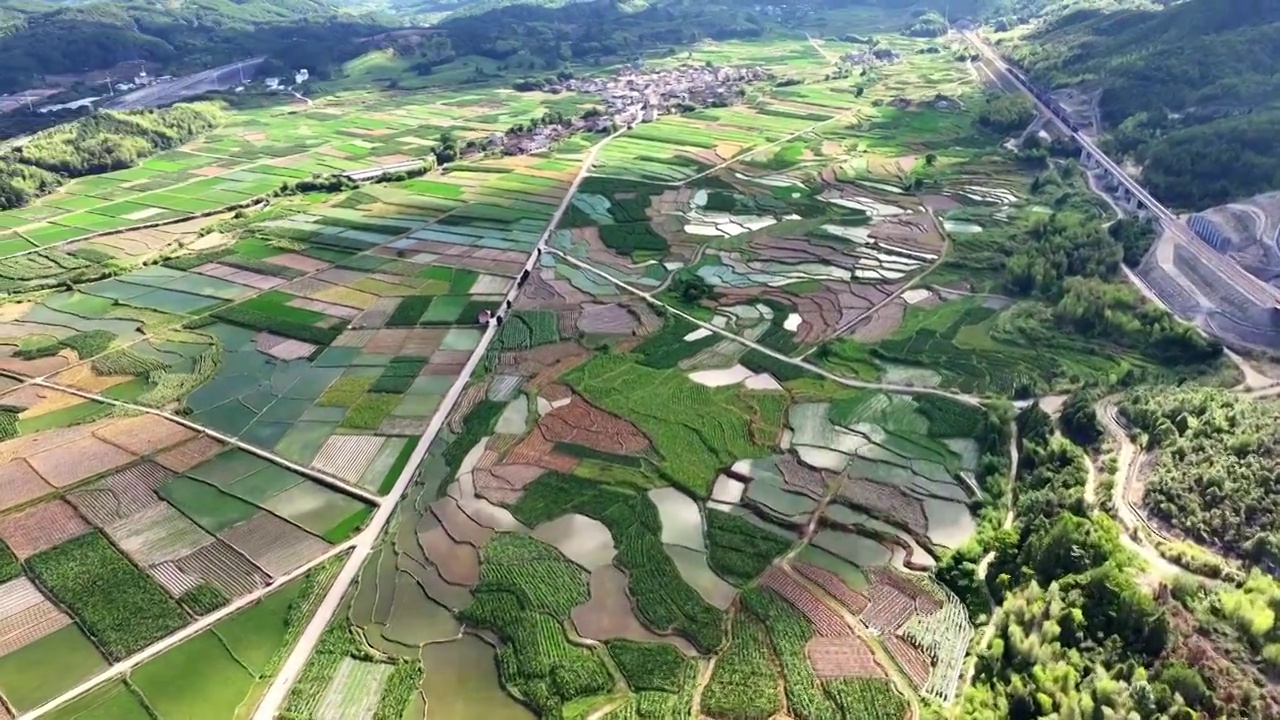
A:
1191, 92
40, 37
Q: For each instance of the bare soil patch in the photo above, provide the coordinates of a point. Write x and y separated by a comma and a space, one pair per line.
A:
276, 545
504, 484
144, 434
842, 658
78, 460
41, 527
880, 324
581, 423
189, 454
20, 484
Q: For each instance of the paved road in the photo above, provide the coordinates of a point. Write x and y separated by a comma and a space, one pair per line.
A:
170, 91
1127, 461
273, 701
1261, 292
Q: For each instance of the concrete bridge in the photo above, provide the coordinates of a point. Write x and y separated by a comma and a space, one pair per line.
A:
1252, 297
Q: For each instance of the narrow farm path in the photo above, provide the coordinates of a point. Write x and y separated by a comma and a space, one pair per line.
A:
899, 679
821, 50
648, 297
292, 667
989, 631
1132, 521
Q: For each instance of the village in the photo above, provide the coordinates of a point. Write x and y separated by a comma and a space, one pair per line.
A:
631, 96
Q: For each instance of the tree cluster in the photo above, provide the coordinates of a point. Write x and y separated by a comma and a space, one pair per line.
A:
98, 143
48, 39
1217, 474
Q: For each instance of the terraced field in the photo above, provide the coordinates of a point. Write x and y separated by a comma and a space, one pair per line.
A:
619, 496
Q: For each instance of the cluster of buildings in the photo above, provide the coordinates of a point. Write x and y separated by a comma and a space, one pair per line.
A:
276, 83
631, 96
870, 58
141, 80
635, 95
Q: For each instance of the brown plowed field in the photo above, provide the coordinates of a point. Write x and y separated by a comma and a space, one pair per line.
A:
887, 608
504, 484
842, 658
606, 319
121, 494
457, 562
25, 446
144, 434
923, 599
582, 423
880, 324
913, 662
30, 625
275, 544
886, 500
20, 484
536, 450
825, 621
189, 454
852, 600
471, 396
608, 613
78, 460
218, 564
41, 527
802, 477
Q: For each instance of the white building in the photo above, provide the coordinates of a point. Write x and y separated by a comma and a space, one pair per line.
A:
301, 76
272, 83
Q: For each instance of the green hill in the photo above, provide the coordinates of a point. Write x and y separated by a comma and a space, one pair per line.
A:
1191, 92
40, 38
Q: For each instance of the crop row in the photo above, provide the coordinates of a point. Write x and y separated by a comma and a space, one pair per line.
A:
279, 325
118, 605
87, 344
536, 660
666, 348
664, 601
203, 599
788, 632
399, 375
866, 699
696, 429
950, 418
944, 636
540, 577
744, 683
652, 666
739, 551
398, 691
125, 361
337, 642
